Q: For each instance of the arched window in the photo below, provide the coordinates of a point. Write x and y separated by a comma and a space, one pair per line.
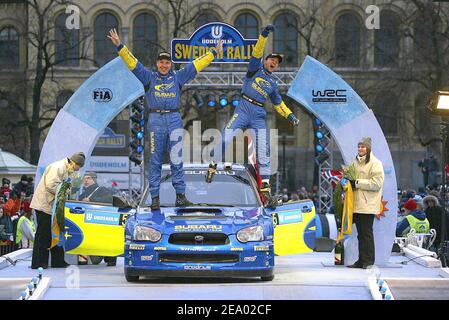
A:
347, 41
204, 18
248, 26
145, 38
285, 39
62, 99
422, 39
67, 43
386, 111
104, 50
9, 48
386, 52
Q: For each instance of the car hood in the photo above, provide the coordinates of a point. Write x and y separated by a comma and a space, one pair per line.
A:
200, 219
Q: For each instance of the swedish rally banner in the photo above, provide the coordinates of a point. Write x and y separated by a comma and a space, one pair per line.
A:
236, 49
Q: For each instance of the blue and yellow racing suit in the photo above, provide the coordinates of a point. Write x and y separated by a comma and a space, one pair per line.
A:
163, 94
250, 114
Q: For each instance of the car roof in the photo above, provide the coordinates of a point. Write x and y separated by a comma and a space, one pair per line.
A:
204, 166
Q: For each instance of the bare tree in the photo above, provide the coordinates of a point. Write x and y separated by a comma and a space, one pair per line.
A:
184, 14
39, 35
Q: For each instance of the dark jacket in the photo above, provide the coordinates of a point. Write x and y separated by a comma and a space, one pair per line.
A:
434, 215
19, 188
96, 193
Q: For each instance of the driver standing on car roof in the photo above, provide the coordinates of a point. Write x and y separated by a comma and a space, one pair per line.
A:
163, 94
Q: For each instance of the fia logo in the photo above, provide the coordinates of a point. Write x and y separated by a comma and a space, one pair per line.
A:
217, 32
102, 95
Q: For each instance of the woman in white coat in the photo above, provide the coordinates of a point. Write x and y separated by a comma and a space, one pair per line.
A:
367, 201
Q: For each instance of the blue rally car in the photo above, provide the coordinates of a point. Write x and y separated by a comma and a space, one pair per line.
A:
227, 232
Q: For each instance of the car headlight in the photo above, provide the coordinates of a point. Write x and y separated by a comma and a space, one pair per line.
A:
142, 233
250, 234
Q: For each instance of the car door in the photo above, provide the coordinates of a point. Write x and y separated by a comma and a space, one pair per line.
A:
94, 228
295, 227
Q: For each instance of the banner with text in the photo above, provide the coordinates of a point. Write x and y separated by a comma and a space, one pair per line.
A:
236, 49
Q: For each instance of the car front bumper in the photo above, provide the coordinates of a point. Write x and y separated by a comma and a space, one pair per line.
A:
254, 259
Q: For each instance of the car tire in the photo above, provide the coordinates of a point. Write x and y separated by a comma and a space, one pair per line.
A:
96, 259
268, 278
131, 278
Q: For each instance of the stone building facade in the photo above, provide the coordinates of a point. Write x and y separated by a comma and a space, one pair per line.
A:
335, 32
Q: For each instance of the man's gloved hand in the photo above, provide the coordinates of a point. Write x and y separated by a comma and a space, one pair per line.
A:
266, 31
295, 121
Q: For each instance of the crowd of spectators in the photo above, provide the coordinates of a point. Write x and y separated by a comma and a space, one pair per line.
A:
300, 194
426, 208
17, 228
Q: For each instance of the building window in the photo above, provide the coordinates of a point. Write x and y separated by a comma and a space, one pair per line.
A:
387, 40
386, 111
205, 18
104, 50
248, 26
285, 38
422, 40
9, 48
347, 41
67, 43
145, 38
62, 99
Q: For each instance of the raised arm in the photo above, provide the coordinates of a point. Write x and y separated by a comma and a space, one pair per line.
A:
193, 68
131, 62
256, 57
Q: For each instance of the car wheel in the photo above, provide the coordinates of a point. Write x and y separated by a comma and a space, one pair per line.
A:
131, 278
96, 259
269, 278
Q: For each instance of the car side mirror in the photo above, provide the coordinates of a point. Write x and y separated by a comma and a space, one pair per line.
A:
120, 202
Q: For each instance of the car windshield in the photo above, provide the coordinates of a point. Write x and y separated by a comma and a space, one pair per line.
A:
228, 188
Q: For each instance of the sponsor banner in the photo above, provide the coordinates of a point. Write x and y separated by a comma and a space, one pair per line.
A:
110, 139
200, 227
139, 247
236, 49
108, 164
198, 249
292, 216
250, 259
112, 219
196, 267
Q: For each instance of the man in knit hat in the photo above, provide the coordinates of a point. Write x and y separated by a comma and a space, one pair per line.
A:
367, 200
42, 202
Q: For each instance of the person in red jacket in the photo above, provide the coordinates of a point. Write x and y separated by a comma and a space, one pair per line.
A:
5, 190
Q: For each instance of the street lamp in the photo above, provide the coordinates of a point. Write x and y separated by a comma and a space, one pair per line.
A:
439, 105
